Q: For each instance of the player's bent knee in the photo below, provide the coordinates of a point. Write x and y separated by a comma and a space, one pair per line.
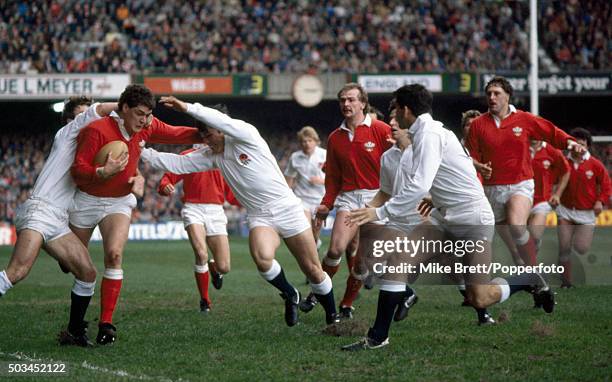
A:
314, 271
335, 252
113, 258
262, 264
202, 257
222, 267
87, 274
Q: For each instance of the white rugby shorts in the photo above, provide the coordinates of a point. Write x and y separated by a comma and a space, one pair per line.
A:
541, 208
41, 216
473, 220
88, 210
410, 222
287, 220
586, 217
499, 195
211, 216
350, 200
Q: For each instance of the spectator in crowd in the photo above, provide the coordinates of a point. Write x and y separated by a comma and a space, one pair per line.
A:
22, 157
295, 36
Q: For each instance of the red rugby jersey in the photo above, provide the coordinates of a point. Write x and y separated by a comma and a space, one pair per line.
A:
507, 147
207, 187
105, 130
589, 182
549, 165
354, 165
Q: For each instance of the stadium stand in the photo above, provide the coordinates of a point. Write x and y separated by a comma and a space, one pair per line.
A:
295, 36
577, 33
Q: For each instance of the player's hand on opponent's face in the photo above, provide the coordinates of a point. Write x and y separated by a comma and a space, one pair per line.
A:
361, 216
320, 216
137, 183
576, 147
168, 189
425, 207
114, 166
173, 103
598, 207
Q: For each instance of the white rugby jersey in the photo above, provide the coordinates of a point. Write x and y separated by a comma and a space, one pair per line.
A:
395, 167
246, 163
54, 183
303, 167
440, 166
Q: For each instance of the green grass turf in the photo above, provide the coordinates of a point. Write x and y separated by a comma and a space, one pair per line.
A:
162, 335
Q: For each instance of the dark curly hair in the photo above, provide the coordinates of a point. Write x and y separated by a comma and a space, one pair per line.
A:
416, 97
135, 95
502, 82
581, 133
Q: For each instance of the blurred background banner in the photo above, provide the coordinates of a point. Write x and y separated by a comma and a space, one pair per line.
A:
60, 86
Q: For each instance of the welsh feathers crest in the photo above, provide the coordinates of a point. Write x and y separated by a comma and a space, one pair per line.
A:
369, 146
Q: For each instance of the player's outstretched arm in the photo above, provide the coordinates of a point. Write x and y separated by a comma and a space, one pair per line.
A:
104, 109
174, 103
195, 161
214, 118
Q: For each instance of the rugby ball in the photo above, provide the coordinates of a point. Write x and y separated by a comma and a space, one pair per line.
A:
116, 148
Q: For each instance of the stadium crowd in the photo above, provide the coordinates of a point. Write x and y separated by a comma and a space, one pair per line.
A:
65, 36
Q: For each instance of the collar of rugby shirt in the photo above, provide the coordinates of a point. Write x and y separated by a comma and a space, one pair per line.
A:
367, 121
585, 156
533, 151
497, 121
121, 125
419, 123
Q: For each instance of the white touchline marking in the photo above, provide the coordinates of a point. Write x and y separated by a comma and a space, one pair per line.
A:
88, 366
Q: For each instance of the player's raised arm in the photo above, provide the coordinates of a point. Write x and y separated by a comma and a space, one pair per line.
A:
195, 161
235, 128
81, 120
544, 130
164, 133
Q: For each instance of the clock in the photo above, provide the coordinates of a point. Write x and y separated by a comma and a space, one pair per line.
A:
308, 90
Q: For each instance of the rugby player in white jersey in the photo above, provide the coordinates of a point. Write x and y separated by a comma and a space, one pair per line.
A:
42, 220
442, 168
250, 169
304, 173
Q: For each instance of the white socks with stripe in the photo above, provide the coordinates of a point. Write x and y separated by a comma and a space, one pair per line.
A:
83, 288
